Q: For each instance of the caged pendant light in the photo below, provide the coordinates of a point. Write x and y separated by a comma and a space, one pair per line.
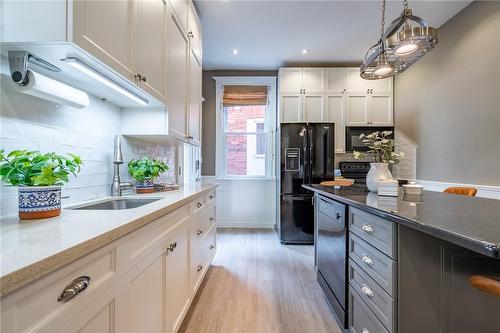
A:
407, 39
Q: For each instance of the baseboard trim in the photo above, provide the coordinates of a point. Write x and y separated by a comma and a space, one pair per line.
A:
245, 224
483, 191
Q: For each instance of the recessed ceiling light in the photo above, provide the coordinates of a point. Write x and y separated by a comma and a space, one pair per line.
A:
305, 51
235, 51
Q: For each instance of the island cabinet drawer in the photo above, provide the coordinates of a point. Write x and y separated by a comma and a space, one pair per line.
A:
333, 209
137, 245
201, 224
374, 296
46, 303
377, 265
377, 231
361, 318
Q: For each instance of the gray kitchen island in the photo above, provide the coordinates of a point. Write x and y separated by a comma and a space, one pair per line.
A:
404, 264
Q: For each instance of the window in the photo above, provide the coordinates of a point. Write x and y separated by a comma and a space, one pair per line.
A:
245, 140
245, 121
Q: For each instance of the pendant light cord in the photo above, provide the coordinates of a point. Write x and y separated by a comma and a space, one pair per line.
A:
383, 20
405, 5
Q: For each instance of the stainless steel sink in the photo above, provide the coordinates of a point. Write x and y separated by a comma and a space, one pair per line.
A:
117, 204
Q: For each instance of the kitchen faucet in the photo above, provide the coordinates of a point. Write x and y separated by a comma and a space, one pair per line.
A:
117, 187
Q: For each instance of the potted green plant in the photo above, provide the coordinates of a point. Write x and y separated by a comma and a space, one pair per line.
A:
39, 178
381, 149
144, 171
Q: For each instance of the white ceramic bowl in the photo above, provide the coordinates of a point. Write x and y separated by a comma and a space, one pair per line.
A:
413, 189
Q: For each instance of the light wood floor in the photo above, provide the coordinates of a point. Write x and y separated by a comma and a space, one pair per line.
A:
258, 285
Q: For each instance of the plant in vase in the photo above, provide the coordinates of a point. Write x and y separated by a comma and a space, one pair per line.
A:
39, 178
144, 171
381, 149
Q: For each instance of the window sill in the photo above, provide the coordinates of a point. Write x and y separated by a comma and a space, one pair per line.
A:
246, 178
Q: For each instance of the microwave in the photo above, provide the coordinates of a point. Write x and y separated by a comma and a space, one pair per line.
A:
352, 140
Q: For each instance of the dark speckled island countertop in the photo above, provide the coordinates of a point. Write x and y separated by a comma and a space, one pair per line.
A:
470, 222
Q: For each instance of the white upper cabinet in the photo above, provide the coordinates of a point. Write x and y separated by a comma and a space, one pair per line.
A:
355, 84
290, 80
383, 86
290, 108
369, 110
151, 47
381, 110
302, 80
104, 29
195, 99
181, 8
335, 113
357, 110
336, 95
314, 106
194, 32
313, 80
177, 78
335, 80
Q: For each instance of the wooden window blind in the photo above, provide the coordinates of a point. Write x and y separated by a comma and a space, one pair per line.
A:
235, 95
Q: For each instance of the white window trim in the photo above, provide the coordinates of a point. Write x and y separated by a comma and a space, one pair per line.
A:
220, 82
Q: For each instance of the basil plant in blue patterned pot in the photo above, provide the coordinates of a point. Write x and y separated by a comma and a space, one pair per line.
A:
144, 171
39, 178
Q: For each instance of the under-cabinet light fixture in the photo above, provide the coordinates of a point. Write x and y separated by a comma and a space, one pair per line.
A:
86, 69
235, 51
305, 51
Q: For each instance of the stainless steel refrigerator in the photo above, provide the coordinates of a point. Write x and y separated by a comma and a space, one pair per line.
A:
307, 153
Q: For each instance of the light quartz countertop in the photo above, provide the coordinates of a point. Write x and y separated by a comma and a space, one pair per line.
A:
32, 249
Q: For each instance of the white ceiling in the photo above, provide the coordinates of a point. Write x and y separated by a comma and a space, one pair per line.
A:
271, 34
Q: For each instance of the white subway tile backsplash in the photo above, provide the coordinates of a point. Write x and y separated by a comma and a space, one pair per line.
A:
32, 123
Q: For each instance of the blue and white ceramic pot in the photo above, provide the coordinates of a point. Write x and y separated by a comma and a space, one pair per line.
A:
39, 202
144, 186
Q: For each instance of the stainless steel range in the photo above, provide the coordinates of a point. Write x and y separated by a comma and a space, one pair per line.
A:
355, 170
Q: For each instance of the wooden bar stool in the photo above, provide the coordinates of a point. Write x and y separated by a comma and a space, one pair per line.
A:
468, 191
488, 284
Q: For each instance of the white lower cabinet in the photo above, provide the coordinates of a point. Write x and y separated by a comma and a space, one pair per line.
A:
177, 279
142, 282
140, 305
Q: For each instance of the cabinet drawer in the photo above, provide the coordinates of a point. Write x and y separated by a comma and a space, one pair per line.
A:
140, 243
361, 319
379, 232
210, 197
197, 205
36, 307
201, 257
331, 208
202, 224
209, 242
376, 298
377, 265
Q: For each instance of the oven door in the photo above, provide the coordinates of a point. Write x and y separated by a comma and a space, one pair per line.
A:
352, 140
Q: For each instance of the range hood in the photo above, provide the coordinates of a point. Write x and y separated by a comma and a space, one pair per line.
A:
65, 55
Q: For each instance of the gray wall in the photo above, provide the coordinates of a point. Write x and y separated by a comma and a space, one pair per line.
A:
449, 102
208, 125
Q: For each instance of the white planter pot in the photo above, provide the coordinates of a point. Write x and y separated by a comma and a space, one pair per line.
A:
378, 171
